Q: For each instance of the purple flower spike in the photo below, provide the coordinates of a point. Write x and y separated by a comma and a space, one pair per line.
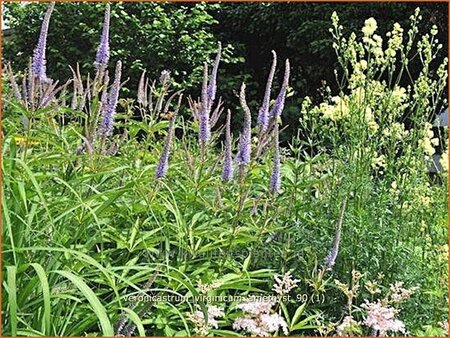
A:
212, 86
205, 128
163, 164
227, 171
330, 260
275, 177
102, 57
278, 106
263, 115
38, 65
331, 257
109, 110
243, 156
165, 77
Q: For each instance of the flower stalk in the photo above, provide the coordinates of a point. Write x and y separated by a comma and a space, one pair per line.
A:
102, 57
38, 65
227, 171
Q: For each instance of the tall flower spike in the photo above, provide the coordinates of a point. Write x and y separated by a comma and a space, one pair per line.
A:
13, 83
275, 177
109, 110
227, 171
104, 95
263, 114
243, 156
102, 57
332, 255
163, 164
141, 90
39, 63
205, 129
279, 102
212, 86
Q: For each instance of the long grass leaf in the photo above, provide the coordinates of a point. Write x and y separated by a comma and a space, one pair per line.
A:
96, 305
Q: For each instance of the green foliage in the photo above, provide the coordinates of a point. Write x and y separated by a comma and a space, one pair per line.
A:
299, 31
150, 36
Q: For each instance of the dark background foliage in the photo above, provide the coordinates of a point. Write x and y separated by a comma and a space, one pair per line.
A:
180, 36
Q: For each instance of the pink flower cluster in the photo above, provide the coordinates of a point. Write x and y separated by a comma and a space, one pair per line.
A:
198, 319
382, 318
347, 326
399, 294
258, 320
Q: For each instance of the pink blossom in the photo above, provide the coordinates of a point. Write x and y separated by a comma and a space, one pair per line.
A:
256, 307
262, 325
382, 318
258, 321
198, 319
346, 327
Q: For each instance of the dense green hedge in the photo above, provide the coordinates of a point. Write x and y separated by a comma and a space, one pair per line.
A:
151, 36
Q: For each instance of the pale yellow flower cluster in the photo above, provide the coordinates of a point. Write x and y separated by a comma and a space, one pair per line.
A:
395, 131
429, 141
374, 45
370, 26
394, 188
443, 252
358, 77
425, 201
395, 41
337, 110
398, 95
379, 162
370, 119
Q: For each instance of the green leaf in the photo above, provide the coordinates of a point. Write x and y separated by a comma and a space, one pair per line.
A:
12, 298
45, 327
297, 314
97, 307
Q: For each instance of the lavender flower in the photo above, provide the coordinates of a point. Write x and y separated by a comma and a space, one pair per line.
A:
275, 177
332, 255
227, 171
165, 76
212, 86
263, 115
207, 98
104, 95
109, 109
205, 129
102, 57
163, 164
279, 102
13, 83
243, 156
39, 63
141, 90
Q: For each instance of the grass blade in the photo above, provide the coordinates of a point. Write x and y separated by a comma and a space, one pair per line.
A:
96, 305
